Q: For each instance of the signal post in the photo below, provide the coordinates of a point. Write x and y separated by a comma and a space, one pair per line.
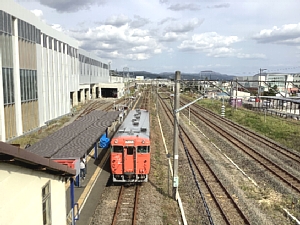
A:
176, 134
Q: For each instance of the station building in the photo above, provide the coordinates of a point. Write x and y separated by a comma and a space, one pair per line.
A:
43, 73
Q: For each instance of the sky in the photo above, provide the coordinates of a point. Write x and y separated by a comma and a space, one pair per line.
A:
232, 37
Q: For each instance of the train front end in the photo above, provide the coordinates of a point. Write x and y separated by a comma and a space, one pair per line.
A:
130, 150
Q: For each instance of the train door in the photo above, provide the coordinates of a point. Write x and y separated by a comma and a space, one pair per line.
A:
129, 160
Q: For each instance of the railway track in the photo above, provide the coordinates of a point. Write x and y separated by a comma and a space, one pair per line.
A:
98, 105
212, 186
127, 204
285, 176
145, 102
292, 157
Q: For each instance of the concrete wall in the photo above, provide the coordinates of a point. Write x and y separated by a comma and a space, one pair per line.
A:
57, 77
21, 196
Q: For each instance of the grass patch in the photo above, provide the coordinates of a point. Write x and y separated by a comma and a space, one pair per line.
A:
284, 131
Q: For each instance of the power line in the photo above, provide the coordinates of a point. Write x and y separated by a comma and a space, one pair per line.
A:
269, 70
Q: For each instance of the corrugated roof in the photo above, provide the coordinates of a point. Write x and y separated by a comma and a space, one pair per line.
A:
134, 123
21, 157
74, 140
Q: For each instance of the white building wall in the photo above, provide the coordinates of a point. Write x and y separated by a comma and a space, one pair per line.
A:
58, 73
58, 81
68, 84
88, 74
16, 71
2, 118
58, 62
44, 97
49, 99
22, 201
50, 76
55, 81
116, 79
63, 78
40, 83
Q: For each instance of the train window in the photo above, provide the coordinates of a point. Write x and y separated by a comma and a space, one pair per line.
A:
143, 149
130, 150
117, 149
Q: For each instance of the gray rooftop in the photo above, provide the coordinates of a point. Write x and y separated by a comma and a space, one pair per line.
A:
136, 122
74, 140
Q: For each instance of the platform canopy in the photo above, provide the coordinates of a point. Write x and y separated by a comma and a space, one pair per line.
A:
75, 139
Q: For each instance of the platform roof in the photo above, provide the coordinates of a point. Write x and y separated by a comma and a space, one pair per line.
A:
295, 100
75, 139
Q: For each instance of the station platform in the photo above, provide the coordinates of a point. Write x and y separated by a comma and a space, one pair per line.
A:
86, 194
293, 114
282, 112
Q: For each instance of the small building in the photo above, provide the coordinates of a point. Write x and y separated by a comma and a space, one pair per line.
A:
139, 78
32, 188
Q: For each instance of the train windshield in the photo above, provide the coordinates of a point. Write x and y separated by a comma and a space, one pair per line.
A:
130, 150
143, 149
117, 149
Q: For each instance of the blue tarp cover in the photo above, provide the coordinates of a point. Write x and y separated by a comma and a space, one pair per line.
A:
104, 141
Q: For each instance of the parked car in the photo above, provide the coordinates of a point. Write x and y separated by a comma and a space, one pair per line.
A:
251, 99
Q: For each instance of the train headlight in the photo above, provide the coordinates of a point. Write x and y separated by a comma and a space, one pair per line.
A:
143, 141
116, 141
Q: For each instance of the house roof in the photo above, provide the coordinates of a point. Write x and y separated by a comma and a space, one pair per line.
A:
14, 155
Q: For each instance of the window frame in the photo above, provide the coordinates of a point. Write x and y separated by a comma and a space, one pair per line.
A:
46, 204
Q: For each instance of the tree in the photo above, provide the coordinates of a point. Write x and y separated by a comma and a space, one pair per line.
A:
272, 91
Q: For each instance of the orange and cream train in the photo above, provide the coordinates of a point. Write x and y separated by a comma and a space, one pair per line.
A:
130, 148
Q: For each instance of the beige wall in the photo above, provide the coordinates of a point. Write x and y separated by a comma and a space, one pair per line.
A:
21, 196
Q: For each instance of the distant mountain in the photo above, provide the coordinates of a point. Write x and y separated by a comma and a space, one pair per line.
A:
203, 75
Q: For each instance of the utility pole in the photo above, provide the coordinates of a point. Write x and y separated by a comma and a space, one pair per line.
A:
176, 133
157, 109
236, 90
285, 86
259, 84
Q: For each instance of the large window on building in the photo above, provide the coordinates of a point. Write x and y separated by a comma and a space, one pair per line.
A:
46, 195
28, 84
8, 86
5, 22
